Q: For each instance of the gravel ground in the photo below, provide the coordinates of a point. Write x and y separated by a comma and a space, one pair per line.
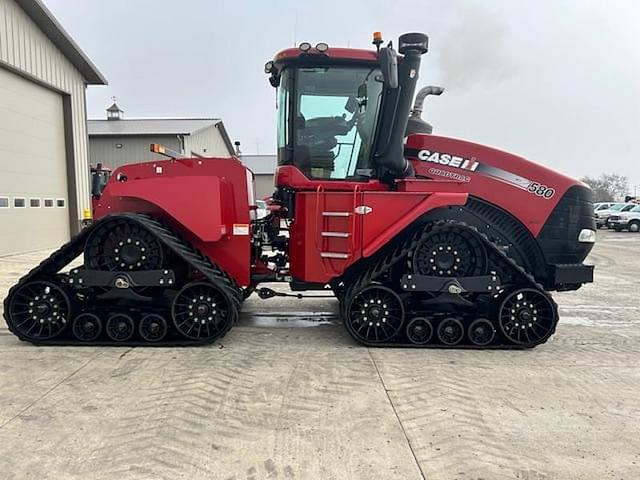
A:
287, 394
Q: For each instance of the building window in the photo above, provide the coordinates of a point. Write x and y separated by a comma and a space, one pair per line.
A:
48, 202
19, 202
4, 202
34, 202
60, 202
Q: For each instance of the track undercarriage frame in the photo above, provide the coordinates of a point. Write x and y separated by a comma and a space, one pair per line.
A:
441, 285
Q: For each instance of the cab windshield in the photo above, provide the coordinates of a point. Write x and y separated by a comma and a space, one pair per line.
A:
327, 120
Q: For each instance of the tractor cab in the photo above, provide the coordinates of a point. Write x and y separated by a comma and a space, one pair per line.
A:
342, 113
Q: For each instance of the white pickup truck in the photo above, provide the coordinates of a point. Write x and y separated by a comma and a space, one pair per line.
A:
629, 220
602, 216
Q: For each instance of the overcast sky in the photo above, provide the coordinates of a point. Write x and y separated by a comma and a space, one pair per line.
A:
557, 81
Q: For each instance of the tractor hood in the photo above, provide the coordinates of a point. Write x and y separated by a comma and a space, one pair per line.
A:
528, 190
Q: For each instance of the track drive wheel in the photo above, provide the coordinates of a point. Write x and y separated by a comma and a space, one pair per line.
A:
123, 245
375, 314
38, 310
450, 331
450, 251
419, 331
202, 311
527, 317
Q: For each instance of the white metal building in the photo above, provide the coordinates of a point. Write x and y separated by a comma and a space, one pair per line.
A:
264, 169
44, 179
118, 141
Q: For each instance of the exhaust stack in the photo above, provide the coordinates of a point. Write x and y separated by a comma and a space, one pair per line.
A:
416, 124
420, 97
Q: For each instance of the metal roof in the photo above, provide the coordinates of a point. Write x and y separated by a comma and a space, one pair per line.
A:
150, 126
114, 108
46, 22
260, 164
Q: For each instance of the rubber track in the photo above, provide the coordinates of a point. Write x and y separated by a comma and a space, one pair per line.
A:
49, 267
403, 249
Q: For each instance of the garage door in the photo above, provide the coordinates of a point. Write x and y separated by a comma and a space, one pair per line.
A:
33, 181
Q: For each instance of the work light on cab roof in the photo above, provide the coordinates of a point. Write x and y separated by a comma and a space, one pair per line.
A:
425, 240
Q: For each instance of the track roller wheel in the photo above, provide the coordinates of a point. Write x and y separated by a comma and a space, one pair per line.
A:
450, 331
38, 310
123, 245
201, 311
120, 327
527, 317
375, 314
87, 327
153, 328
419, 331
450, 251
481, 332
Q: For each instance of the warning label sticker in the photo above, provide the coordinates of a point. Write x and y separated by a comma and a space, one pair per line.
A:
241, 229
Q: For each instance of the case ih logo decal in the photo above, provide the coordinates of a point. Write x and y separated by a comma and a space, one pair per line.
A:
448, 159
472, 165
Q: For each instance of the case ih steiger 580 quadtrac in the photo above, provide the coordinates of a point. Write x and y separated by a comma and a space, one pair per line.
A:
425, 240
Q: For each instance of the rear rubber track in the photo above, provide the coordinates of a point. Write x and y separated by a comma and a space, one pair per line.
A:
48, 270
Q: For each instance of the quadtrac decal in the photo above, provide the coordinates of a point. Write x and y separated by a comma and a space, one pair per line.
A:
473, 165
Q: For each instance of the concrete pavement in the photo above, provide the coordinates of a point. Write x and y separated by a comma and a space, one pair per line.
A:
287, 394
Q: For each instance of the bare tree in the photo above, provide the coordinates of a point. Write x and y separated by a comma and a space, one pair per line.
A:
608, 187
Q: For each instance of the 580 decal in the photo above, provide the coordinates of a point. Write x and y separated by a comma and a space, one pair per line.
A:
541, 190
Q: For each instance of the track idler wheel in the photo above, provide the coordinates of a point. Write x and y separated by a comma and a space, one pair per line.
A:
527, 317
38, 310
120, 327
481, 332
87, 327
153, 328
201, 311
419, 331
450, 251
375, 314
123, 245
450, 331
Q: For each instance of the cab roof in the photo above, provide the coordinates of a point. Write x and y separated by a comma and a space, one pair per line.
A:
341, 54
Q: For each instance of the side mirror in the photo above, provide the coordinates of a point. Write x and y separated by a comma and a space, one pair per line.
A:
389, 67
351, 105
362, 97
95, 184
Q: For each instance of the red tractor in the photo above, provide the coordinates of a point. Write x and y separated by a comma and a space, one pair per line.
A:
424, 240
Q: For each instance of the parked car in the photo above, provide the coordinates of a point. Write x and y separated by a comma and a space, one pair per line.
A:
602, 205
629, 220
602, 216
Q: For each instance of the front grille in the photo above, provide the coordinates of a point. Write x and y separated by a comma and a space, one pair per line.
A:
614, 217
559, 236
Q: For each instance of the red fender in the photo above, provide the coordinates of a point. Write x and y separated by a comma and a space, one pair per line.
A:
182, 198
378, 230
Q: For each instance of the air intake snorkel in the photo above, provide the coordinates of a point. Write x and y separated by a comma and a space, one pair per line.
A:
389, 152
